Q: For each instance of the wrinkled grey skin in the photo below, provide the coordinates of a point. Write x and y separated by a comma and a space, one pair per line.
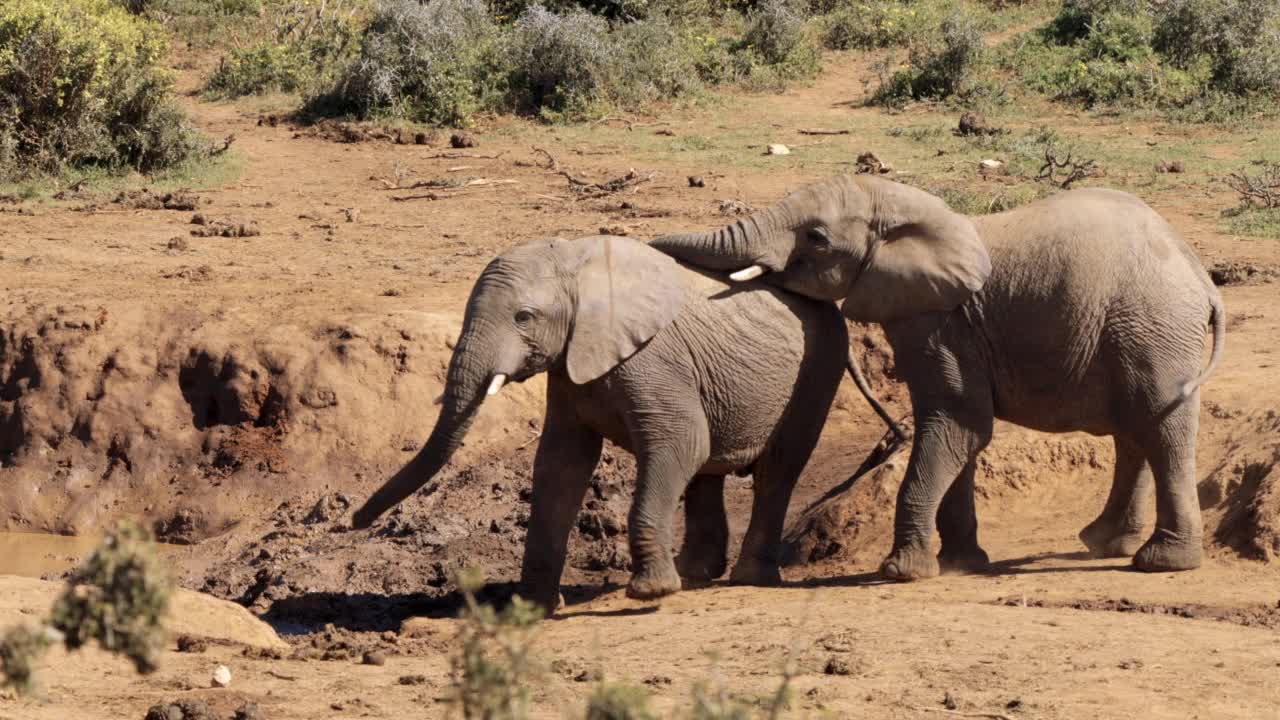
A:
1092, 318
698, 378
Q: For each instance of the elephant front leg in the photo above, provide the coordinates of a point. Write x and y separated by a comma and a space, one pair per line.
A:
958, 527
661, 478
703, 557
567, 455
943, 446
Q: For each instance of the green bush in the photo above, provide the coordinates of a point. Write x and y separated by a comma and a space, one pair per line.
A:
619, 701
940, 64
867, 24
308, 44
435, 63
83, 85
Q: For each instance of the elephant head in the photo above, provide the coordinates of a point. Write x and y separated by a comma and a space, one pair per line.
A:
887, 249
578, 307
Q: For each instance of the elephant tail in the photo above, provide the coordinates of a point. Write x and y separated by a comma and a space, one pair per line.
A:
1217, 318
855, 372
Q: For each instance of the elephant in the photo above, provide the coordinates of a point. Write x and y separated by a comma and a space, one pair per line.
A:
696, 377
1083, 311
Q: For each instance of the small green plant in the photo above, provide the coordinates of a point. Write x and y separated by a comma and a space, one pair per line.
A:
495, 665
118, 598
619, 701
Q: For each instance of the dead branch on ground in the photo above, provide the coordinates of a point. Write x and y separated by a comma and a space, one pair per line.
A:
461, 155
1076, 170
820, 131
1262, 189
957, 713
588, 189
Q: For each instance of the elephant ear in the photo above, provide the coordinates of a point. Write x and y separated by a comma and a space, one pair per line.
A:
924, 257
627, 293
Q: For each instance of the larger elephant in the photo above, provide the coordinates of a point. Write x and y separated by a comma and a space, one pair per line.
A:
1084, 311
696, 377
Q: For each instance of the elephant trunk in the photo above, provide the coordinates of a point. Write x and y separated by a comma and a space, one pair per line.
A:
471, 372
733, 247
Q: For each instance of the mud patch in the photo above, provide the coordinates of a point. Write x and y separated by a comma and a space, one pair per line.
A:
1234, 272
306, 573
1259, 616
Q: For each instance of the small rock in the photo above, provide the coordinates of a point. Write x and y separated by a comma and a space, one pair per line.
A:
1175, 167
375, 657
656, 680
221, 676
462, 140
837, 666
420, 138
249, 711
412, 680
199, 219
949, 702
621, 230
1014, 704
697, 181
777, 149
353, 214
190, 644
587, 676
178, 244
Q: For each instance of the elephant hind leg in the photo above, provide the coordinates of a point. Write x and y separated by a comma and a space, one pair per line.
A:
703, 557
958, 528
1176, 543
1118, 530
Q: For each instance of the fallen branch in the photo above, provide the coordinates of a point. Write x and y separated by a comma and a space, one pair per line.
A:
282, 676
1076, 169
589, 189
1262, 189
551, 160
819, 131
957, 713
459, 156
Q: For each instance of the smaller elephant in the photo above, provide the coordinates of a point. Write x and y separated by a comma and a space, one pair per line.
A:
696, 377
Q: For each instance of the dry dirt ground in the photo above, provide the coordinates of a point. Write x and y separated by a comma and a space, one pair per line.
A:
244, 384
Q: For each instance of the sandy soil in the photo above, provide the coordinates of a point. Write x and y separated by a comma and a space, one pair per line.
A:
244, 392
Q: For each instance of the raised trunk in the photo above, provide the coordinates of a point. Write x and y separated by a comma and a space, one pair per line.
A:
732, 247
470, 369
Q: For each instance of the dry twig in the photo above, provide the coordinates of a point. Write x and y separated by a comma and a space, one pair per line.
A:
958, 713
1076, 169
1262, 189
820, 131
588, 189
460, 155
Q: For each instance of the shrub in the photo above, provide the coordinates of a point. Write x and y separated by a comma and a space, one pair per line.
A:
867, 24
1239, 40
495, 666
561, 63
776, 47
431, 63
940, 64
83, 86
309, 42
118, 597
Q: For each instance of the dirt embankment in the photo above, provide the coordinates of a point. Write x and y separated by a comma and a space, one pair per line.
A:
196, 418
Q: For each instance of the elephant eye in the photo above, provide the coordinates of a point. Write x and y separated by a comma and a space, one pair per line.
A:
524, 317
818, 236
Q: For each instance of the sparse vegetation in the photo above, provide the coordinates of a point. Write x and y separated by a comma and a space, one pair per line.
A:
84, 85
941, 64
1259, 211
118, 598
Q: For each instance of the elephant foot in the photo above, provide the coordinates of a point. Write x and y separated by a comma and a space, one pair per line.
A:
967, 561
549, 600
760, 574
1165, 553
1104, 542
907, 564
653, 585
701, 564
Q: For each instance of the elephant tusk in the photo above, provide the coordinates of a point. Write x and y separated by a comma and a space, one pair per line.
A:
749, 273
496, 384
